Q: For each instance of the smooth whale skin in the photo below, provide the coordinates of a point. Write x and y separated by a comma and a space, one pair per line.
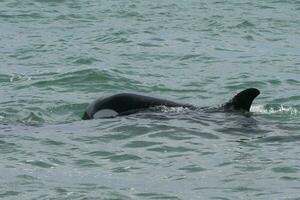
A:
128, 103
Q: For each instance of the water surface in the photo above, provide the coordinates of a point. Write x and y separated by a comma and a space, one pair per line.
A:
57, 56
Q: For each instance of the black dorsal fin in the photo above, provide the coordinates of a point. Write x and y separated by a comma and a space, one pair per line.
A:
243, 100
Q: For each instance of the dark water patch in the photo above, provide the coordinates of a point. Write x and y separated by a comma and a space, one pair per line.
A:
147, 44
182, 40
93, 186
61, 191
245, 24
4, 78
30, 182
170, 149
245, 189
7, 147
192, 56
266, 7
119, 37
39, 163
293, 82
192, 169
112, 196
86, 163
23, 17
149, 195
123, 157
280, 139
290, 178
85, 61
249, 37
26, 177
56, 161
204, 153
228, 49
53, 142
224, 164
274, 82
219, 198
29, 138
206, 188
100, 153
141, 144
8, 194
157, 39
285, 169
51, 1
74, 18
249, 168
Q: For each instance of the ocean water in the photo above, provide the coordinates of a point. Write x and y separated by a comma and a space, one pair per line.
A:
57, 56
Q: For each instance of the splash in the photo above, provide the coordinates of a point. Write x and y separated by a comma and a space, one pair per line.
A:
281, 109
171, 109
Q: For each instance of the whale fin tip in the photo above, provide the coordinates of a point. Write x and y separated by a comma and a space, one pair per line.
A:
243, 100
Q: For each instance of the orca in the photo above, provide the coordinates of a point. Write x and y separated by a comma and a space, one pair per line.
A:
129, 103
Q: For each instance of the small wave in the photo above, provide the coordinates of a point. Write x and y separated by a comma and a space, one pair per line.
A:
280, 138
281, 109
38, 114
245, 24
87, 79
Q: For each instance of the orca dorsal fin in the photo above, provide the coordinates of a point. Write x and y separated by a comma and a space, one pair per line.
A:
243, 100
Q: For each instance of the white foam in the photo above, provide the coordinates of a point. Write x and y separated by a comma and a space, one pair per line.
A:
172, 109
281, 109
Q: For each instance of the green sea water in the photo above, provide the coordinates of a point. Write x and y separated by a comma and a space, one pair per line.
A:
57, 56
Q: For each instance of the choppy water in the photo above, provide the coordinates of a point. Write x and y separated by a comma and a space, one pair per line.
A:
57, 56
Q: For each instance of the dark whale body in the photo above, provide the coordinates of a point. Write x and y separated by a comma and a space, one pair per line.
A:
128, 103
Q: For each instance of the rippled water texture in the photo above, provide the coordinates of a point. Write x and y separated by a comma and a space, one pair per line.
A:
57, 56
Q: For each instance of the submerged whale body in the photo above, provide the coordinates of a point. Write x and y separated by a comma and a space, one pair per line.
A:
128, 103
